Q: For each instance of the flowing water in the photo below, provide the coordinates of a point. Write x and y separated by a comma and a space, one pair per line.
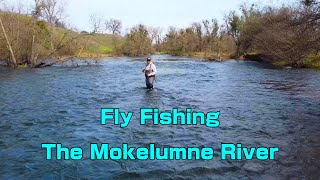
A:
260, 106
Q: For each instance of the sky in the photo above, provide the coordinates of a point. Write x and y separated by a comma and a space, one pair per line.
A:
155, 13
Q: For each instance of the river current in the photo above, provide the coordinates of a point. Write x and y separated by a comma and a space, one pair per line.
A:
260, 105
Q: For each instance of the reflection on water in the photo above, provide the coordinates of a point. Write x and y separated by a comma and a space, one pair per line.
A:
260, 106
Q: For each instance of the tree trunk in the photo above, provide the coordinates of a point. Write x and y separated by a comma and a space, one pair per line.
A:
33, 57
51, 38
115, 42
80, 52
14, 61
219, 56
238, 49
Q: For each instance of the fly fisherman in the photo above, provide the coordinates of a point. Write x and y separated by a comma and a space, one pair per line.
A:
150, 72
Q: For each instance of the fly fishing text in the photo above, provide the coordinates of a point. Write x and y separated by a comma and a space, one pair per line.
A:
109, 117
176, 117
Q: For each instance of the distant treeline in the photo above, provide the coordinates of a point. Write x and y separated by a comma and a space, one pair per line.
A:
287, 35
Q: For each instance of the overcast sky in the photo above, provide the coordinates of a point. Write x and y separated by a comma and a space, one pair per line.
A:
156, 13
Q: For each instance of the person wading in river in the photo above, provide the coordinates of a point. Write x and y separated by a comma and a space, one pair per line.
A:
150, 72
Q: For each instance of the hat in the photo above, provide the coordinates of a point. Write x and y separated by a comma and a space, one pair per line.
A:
148, 59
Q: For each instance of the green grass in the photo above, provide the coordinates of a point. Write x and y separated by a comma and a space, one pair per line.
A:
105, 49
101, 43
22, 66
312, 63
281, 63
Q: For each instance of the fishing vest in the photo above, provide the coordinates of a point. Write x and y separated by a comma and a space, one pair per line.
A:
149, 71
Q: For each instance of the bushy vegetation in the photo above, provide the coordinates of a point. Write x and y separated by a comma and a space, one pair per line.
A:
30, 38
206, 37
286, 35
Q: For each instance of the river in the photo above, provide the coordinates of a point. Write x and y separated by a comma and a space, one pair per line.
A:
260, 105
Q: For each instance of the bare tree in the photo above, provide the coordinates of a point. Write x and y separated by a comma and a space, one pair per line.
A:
212, 41
284, 36
155, 34
114, 26
310, 13
310, 2
96, 23
36, 13
14, 61
197, 28
51, 11
156, 37
234, 25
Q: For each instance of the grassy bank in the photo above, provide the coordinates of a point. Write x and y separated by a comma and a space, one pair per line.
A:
311, 61
211, 56
90, 45
203, 55
32, 41
100, 45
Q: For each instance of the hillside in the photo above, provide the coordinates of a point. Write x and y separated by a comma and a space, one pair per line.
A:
33, 41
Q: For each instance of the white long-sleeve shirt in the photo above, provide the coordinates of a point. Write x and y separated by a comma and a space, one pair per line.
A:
152, 69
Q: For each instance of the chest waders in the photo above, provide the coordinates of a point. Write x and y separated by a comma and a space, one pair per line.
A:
150, 80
